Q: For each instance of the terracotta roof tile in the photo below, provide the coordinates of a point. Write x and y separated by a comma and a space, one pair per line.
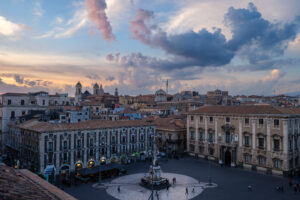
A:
24, 185
40, 126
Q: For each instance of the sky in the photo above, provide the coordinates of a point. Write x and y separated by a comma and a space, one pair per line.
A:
245, 47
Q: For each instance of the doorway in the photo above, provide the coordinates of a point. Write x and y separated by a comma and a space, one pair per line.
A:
227, 157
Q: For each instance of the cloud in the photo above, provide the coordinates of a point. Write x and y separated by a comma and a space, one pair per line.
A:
275, 74
110, 78
259, 38
97, 15
37, 9
93, 77
254, 39
11, 29
69, 27
19, 79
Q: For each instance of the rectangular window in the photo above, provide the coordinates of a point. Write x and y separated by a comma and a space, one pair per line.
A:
247, 159
22, 102
192, 118
210, 137
8, 102
44, 102
192, 137
261, 161
50, 146
201, 135
227, 119
247, 121
65, 144
276, 123
276, 145
211, 119
201, 118
261, 121
261, 143
78, 143
247, 141
201, 149
277, 164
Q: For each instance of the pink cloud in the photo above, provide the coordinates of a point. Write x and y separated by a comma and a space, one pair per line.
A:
25, 27
97, 15
139, 27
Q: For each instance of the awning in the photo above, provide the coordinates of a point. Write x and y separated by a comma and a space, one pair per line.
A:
95, 169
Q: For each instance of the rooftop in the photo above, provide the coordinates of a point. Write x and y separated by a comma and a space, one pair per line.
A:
23, 184
247, 109
40, 126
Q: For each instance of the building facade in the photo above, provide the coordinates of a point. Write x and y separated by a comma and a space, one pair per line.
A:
15, 105
171, 134
262, 137
80, 145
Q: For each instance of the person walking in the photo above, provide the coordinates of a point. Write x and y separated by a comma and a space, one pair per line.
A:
186, 191
295, 188
249, 188
119, 189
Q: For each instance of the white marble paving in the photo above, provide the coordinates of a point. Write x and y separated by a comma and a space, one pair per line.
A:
131, 190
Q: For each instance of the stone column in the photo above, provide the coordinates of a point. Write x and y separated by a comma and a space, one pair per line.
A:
72, 164
128, 140
253, 141
253, 134
41, 148
240, 133
206, 136
85, 150
268, 135
216, 131
188, 133
108, 145
146, 140
197, 134
137, 140
268, 142
57, 151
97, 147
285, 145
118, 141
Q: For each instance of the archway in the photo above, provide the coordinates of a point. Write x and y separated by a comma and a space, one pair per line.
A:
227, 157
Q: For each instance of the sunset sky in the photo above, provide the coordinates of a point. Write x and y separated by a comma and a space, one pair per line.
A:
246, 47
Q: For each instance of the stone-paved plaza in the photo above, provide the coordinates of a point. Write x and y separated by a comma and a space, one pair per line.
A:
229, 183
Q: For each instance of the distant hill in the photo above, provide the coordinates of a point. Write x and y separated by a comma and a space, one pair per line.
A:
293, 93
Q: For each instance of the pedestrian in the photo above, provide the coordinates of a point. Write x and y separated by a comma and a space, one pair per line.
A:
119, 189
290, 182
295, 188
186, 191
156, 193
193, 191
249, 188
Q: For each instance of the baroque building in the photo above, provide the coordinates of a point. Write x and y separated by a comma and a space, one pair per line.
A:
37, 144
16, 105
263, 137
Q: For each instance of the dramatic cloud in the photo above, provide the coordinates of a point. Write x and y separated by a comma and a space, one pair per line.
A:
260, 38
203, 48
97, 15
